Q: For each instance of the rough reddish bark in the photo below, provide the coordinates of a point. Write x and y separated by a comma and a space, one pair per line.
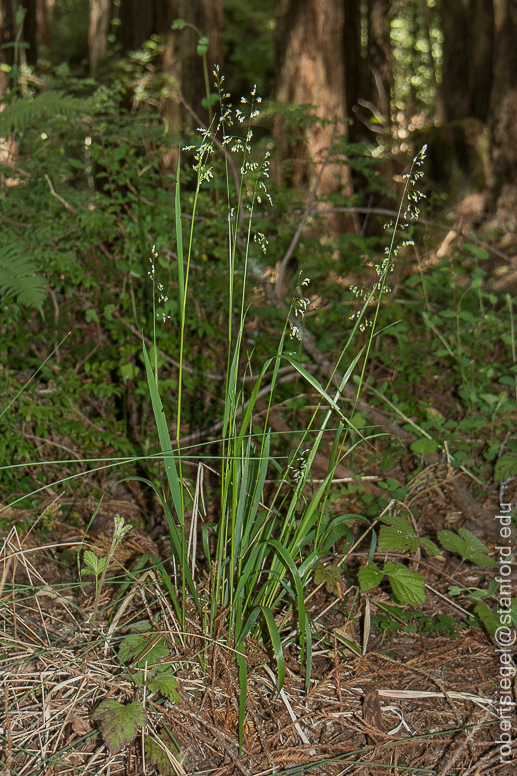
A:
310, 70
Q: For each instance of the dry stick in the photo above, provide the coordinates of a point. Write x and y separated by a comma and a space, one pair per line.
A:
164, 355
203, 433
424, 221
70, 208
310, 199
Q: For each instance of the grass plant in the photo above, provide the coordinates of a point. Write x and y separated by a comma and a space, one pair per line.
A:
250, 599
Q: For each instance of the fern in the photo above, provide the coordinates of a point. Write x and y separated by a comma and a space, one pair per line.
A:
18, 278
23, 110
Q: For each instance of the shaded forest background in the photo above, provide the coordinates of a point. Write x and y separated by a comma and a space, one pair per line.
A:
350, 91
384, 68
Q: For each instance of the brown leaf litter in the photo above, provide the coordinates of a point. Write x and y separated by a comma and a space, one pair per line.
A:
413, 703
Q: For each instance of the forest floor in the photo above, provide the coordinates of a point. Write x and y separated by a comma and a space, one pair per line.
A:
417, 694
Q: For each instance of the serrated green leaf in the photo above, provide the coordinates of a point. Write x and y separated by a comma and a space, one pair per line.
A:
166, 684
505, 467
452, 542
119, 724
467, 545
480, 559
330, 576
408, 585
473, 544
135, 644
369, 577
488, 617
93, 562
430, 546
393, 539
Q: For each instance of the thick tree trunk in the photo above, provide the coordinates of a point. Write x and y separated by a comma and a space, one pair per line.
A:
380, 57
310, 70
207, 17
468, 51
355, 81
140, 20
6, 35
503, 115
100, 14
36, 29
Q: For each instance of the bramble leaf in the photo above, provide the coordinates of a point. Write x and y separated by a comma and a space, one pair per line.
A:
369, 577
119, 724
430, 546
467, 545
166, 684
135, 644
398, 537
330, 576
408, 585
505, 467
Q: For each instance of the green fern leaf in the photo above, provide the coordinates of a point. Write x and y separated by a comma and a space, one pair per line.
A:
23, 110
18, 279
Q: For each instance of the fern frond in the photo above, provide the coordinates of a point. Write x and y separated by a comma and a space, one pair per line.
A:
18, 278
22, 110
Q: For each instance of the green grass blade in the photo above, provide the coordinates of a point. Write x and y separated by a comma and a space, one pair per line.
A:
164, 438
308, 653
300, 603
243, 491
276, 643
179, 239
259, 487
243, 691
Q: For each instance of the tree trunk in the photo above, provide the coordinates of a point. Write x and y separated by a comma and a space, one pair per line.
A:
140, 20
6, 35
36, 30
207, 17
468, 51
354, 69
380, 58
100, 13
310, 68
503, 115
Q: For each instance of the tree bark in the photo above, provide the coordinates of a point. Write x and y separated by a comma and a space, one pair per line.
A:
207, 17
36, 29
310, 68
354, 68
468, 51
6, 35
380, 57
503, 112
140, 20
100, 13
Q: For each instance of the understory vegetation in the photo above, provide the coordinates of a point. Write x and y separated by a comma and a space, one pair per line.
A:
181, 331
